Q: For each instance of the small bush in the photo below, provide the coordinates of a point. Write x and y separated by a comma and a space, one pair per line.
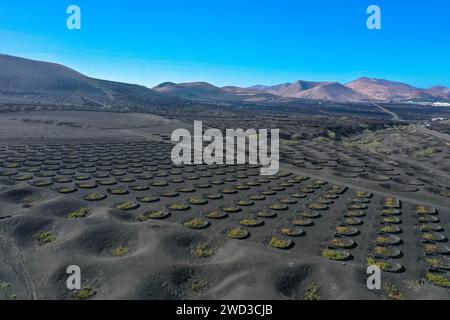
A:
198, 285
425, 153
392, 292
85, 293
251, 222
280, 243
237, 233
438, 279
203, 250
44, 238
313, 292
127, 205
80, 213
120, 251
333, 254
179, 207
196, 224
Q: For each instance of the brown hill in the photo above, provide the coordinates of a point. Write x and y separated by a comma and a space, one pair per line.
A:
380, 89
331, 91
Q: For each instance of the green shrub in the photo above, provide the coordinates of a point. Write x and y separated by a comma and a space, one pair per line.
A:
203, 250
196, 223
333, 254
438, 279
44, 238
392, 292
237, 233
120, 251
280, 243
80, 213
312, 292
198, 285
85, 293
425, 153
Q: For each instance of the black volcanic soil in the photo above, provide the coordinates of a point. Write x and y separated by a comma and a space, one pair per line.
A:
125, 254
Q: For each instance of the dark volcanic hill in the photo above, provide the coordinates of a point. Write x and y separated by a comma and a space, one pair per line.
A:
29, 82
203, 91
192, 90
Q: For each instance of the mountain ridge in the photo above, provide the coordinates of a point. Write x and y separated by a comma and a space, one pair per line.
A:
26, 81
30, 82
363, 89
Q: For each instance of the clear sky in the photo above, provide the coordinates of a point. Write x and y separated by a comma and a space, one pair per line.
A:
235, 42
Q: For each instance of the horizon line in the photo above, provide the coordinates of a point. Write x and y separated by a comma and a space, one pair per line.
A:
219, 86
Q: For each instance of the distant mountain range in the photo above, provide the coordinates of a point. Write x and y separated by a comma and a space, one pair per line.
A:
24, 81
360, 90
203, 91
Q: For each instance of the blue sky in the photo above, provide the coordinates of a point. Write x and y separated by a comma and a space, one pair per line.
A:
235, 42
